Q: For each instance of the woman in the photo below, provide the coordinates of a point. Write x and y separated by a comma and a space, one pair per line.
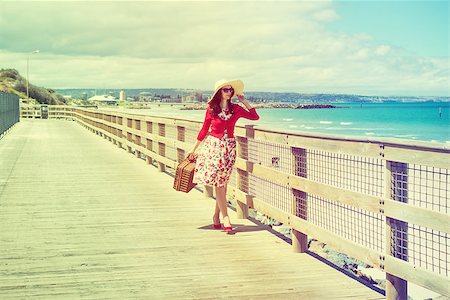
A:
218, 154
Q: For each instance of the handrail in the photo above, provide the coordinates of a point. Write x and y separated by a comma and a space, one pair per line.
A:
378, 201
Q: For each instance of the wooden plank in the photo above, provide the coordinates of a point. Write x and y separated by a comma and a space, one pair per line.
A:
272, 137
434, 157
271, 211
424, 278
352, 147
417, 215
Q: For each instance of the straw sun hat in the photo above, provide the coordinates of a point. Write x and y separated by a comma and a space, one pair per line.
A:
237, 85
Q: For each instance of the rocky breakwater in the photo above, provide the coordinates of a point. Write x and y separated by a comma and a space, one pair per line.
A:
201, 106
314, 106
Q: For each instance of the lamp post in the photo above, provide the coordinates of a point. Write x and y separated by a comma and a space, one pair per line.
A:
28, 71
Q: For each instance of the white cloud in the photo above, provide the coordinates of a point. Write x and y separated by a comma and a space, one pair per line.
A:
326, 15
382, 50
272, 46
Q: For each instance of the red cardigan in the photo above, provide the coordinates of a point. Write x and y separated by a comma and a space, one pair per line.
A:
218, 125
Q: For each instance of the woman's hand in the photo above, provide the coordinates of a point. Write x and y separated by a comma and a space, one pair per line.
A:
241, 98
191, 156
244, 101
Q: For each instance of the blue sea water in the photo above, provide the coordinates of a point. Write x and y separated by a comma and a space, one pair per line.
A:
412, 121
429, 121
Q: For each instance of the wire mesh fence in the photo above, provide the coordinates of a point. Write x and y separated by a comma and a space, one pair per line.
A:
414, 184
9, 111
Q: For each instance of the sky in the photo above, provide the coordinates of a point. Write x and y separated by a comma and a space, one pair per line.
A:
381, 48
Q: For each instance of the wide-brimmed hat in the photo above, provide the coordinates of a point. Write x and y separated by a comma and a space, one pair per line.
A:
237, 85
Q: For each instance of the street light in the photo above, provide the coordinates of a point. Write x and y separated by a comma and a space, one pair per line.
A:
28, 71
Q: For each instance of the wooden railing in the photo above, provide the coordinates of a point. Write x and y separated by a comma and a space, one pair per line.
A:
383, 202
52, 111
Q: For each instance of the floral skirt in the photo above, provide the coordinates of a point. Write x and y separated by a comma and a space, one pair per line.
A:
215, 161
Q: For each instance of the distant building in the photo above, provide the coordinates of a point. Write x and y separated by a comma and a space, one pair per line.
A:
123, 96
189, 98
198, 96
104, 99
194, 97
145, 97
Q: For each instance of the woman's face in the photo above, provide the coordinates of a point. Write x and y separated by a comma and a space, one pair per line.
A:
227, 91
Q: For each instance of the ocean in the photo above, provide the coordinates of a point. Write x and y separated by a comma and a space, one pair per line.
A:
421, 121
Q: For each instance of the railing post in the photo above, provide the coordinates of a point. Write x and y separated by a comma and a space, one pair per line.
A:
149, 142
137, 139
162, 147
396, 230
181, 132
119, 132
300, 205
242, 178
129, 135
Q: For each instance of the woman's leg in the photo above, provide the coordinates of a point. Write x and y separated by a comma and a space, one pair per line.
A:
221, 201
216, 216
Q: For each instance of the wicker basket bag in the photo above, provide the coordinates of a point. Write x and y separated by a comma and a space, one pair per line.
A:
184, 175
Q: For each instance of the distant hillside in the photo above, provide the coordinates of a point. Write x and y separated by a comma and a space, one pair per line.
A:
12, 82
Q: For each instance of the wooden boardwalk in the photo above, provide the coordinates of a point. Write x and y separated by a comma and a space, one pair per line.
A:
81, 218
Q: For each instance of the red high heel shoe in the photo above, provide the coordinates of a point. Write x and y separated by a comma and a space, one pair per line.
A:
217, 226
227, 228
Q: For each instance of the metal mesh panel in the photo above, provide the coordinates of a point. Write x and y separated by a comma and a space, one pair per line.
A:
301, 204
358, 225
274, 194
350, 172
428, 187
276, 156
426, 248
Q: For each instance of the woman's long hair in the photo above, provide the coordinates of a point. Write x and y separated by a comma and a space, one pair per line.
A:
214, 105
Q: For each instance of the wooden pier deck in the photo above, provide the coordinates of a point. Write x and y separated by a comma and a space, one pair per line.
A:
81, 218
